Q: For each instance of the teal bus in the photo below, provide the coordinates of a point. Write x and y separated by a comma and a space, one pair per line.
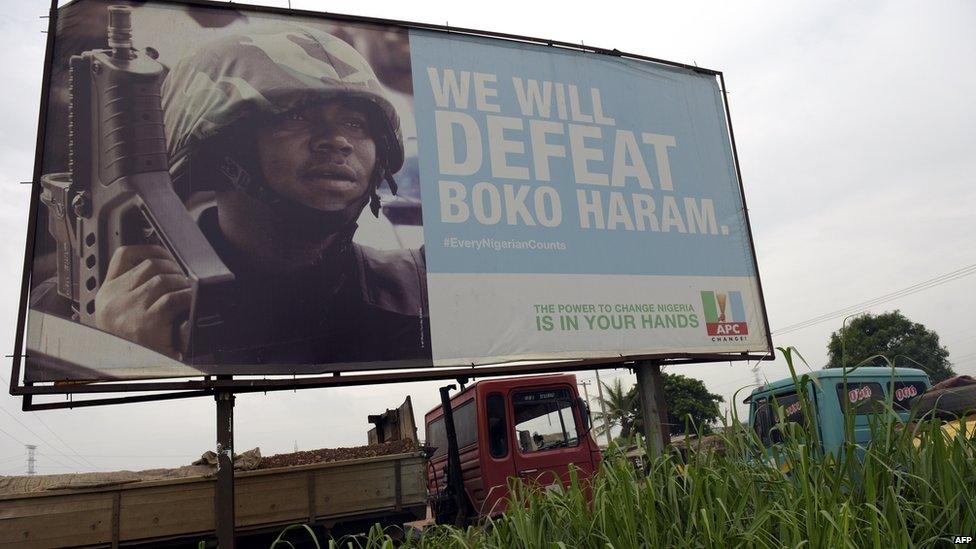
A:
865, 393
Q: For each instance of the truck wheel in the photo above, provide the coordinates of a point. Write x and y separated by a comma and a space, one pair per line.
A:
952, 402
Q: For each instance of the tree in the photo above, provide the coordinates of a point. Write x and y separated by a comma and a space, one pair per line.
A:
684, 396
618, 404
689, 404
893, 336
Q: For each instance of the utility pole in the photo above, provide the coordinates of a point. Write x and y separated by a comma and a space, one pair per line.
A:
31, 459
586, 397
586, 394
603, 406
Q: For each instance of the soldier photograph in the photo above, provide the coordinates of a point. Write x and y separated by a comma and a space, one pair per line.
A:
283, 143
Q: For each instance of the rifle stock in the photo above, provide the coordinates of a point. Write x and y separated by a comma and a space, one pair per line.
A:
119, 190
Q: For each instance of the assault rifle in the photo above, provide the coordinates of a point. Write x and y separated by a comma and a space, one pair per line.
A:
119, 191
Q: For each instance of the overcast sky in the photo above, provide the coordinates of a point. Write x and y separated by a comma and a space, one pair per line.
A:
855, 124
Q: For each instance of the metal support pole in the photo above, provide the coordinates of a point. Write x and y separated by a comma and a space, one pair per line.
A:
455, 479
224, 497
603, 406
649, 383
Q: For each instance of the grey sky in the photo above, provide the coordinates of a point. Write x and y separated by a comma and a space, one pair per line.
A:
855, 124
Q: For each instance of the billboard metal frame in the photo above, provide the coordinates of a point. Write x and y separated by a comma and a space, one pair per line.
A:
210, 385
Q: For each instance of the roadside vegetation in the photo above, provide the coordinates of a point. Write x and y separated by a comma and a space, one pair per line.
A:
912, 486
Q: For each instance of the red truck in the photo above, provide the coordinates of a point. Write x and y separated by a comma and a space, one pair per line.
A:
534, 428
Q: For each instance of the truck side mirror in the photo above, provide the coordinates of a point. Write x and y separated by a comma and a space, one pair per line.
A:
584, 409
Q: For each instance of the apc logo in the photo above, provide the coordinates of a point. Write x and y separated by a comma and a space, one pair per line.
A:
725, 316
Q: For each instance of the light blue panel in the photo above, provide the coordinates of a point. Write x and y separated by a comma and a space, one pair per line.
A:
641, 97
738, 311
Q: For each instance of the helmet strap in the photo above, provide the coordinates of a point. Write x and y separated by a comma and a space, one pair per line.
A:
380, 174
239, 177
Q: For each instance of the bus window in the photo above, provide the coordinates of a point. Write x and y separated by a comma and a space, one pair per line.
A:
905, 392
861, 397
465, 426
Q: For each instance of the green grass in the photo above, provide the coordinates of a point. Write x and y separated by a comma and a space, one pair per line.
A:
889, 494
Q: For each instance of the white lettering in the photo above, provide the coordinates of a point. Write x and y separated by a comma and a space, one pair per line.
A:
450, 88
487, 212
671, 216
453, 207
445, 121
542, 150
574, 107
515, 205
499, 147
598, 109
661, 144
644, 209
588, 208
618, 213
533, 101
701, 220
582, 154
482, 91
625, 147
542, 196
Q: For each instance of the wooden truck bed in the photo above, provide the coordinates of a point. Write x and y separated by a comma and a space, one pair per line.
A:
374, 488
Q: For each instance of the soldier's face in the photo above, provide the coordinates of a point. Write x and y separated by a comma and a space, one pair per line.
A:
321, 156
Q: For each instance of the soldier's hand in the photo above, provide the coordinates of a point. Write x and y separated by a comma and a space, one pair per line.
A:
144, 295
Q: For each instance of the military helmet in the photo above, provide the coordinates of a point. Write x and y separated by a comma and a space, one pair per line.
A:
242, 77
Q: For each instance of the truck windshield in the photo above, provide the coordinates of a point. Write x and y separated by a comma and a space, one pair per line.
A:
544, 420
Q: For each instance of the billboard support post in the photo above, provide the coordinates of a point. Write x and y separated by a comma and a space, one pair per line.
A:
224, 493
649, 389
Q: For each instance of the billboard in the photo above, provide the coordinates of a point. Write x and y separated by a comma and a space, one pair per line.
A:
230, 190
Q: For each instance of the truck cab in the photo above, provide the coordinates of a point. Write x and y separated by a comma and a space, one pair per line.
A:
864, 394
534, 428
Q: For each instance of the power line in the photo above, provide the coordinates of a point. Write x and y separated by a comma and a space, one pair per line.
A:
57, 436
46, 426
61, 464
864, 305
39, 437
15, 439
